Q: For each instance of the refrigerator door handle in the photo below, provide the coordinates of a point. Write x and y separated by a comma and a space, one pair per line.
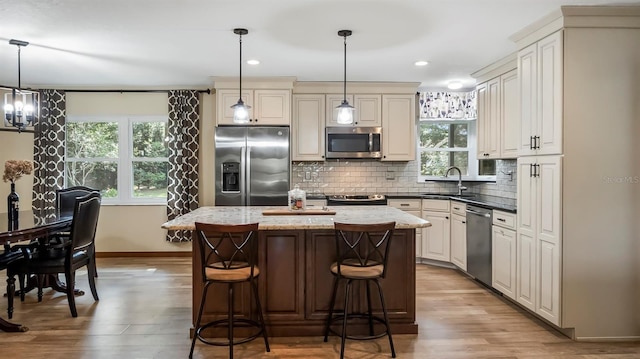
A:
243, 175
247, 192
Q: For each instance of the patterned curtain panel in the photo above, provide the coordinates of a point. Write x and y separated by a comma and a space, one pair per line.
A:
48, 150
184, 124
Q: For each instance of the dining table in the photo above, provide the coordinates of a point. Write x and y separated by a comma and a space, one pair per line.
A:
37, 227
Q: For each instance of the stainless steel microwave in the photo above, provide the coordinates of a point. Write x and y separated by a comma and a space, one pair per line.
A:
353, 142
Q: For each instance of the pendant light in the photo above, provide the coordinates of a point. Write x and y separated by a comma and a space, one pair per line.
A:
20, 106
240, 109
345, 111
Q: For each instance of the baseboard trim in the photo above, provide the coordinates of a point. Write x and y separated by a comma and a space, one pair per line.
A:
142, 254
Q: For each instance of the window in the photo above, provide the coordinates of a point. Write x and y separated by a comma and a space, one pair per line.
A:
125, 157
445, 143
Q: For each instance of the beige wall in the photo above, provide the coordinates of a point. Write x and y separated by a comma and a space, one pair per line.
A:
122, 228
16, 146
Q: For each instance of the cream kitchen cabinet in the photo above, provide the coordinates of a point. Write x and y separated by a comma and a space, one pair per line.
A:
412, 206
540, 79
307, 138
538, 276
503, 253
368, 109
489, 119
459, 235
509, 115
268, 107
498, 117
436, 239
398, 128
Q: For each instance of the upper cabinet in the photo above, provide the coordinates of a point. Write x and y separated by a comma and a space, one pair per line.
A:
398, 128
268, 107
498, 117
307, 140
540, 83
391, 106
368, 111
270, 100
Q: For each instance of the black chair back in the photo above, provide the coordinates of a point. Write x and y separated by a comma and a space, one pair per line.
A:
363, 245
66, 198
227, 247
85, 221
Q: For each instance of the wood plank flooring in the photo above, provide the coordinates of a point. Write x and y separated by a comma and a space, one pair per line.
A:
145, 312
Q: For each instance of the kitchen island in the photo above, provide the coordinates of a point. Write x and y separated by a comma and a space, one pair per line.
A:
295, 252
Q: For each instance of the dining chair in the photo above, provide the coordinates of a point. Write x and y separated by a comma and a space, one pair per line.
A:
65, 201
362, 255
75, 253
228, 255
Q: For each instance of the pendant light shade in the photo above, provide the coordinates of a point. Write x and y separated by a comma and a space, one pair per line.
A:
20, 106
345, 111
240, 109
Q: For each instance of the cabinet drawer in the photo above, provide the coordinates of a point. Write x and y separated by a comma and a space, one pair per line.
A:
458, 208
405, 204
435, 205
504, 219
316, 203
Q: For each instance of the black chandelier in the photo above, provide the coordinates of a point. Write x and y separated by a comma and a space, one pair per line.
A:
20, 106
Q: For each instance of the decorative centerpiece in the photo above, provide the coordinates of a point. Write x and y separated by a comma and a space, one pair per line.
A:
13, 170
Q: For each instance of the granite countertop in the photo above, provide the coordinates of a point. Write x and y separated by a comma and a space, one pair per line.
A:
494, 202
346, 214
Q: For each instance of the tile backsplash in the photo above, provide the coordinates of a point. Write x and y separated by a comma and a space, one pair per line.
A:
370, 176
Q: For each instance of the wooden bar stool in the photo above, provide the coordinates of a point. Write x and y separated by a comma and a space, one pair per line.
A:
228, 255
362, 254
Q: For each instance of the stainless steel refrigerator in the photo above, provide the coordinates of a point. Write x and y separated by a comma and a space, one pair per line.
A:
252, 166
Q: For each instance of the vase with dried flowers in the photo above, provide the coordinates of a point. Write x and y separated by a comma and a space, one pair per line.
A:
13, 170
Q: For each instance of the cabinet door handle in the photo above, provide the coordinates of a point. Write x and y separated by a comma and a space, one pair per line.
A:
404, 204
537, 170
531, 143
464, 222
446, 217
536, 142
458, 208
501, 219
530, 170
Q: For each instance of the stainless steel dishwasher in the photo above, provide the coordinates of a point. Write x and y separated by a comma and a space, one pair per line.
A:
479, 220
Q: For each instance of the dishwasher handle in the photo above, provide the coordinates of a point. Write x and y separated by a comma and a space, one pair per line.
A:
482, 214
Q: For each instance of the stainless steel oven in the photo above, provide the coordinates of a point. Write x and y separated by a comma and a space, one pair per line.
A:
353, 142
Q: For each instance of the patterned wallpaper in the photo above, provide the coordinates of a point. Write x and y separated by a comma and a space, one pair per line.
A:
370, 176
448, 105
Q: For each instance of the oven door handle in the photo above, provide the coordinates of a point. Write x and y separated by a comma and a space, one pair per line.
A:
487, 215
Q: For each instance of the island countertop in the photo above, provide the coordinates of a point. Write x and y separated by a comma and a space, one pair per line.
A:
253, 214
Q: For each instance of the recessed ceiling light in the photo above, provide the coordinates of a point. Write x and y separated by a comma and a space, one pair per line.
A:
454, 85
253, 62
422, 63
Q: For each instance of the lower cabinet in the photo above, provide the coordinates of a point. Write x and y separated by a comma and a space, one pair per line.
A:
504, 253
459, 235
435, 239
412, 206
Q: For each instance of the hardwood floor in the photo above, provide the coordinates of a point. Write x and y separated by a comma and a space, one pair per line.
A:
145, 312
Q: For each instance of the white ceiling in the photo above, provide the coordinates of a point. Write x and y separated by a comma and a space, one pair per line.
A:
137, 44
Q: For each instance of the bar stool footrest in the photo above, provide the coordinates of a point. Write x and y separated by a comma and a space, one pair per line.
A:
237, 323
363, 316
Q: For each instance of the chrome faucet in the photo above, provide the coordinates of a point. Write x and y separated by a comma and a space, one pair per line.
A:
460, 186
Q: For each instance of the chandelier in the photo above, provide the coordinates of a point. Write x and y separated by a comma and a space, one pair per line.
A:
20, 106
345, 111
240, 109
